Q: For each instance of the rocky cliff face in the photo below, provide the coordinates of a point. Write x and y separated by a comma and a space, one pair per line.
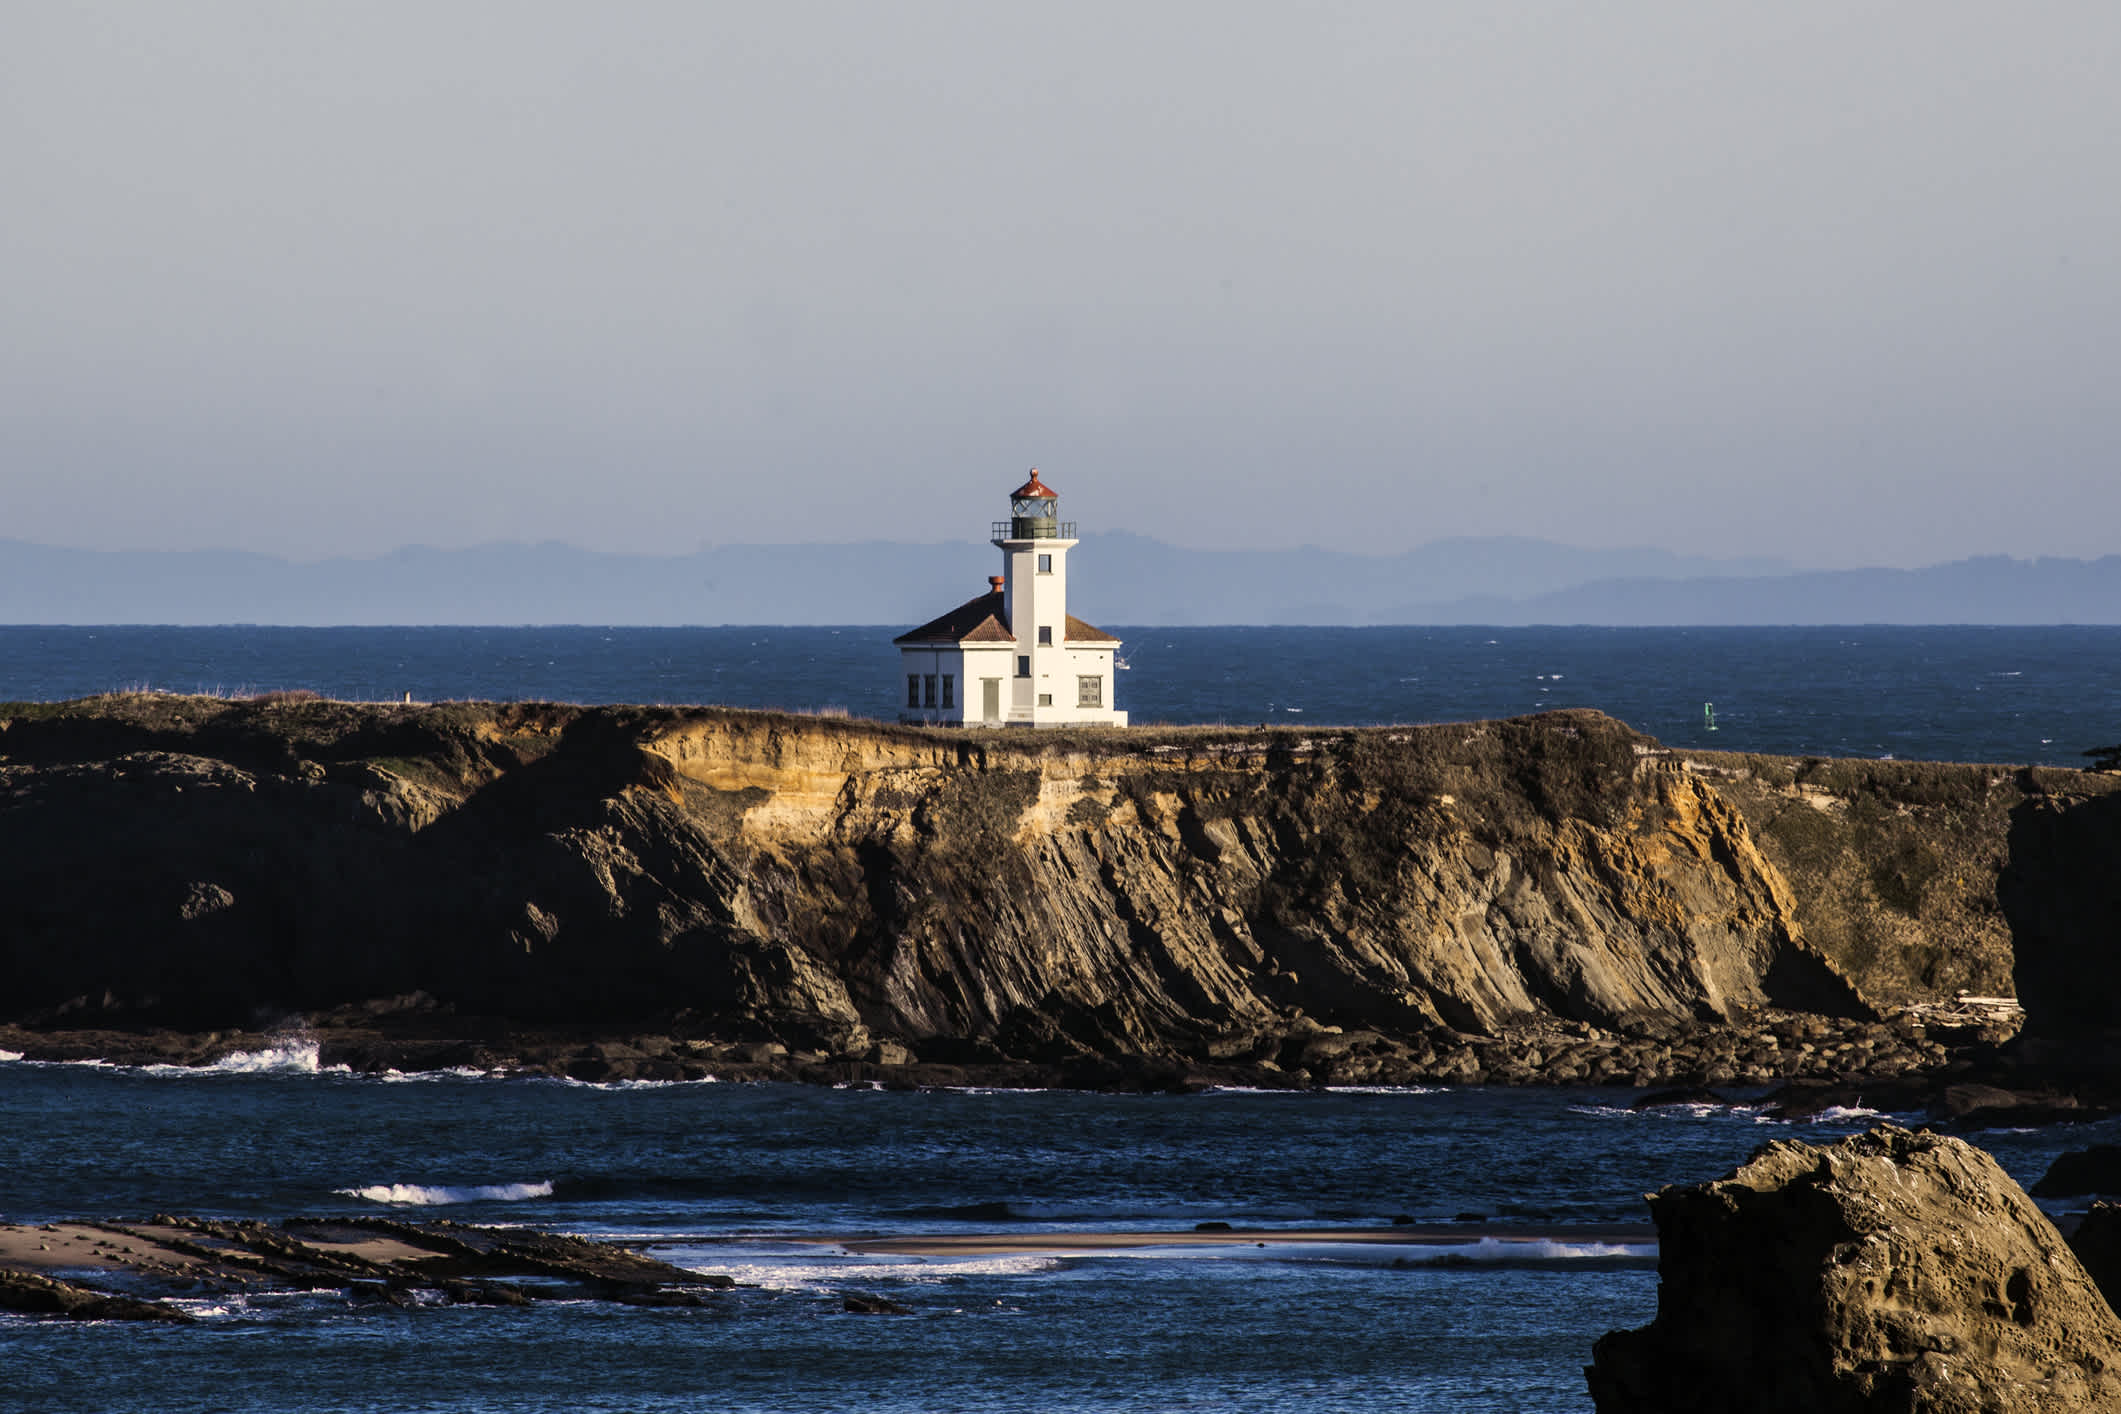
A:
1889, 1272
1922, 879
1189, 892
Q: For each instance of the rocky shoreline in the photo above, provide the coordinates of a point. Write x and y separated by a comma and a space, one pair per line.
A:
1956, 1073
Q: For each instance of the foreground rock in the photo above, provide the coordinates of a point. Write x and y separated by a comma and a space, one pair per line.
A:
1892, 1271
132, 1271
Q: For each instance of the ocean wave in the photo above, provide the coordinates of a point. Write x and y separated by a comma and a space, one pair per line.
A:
1483, 1251
1843, 1114
421, 1195
455, 1072
1495, 1250
620, 1085
823, 1269
1691, 1111
287, 1058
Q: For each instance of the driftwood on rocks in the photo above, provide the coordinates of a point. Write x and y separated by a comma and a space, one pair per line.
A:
1891, 1271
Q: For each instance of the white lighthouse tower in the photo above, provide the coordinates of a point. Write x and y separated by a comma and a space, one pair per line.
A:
1014, 656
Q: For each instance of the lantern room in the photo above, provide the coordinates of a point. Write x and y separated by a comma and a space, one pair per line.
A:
1034, 514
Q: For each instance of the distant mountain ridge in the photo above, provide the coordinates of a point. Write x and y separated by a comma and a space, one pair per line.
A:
1119, 578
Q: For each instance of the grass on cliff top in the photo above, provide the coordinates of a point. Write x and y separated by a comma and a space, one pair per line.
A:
301, 716
1903, 782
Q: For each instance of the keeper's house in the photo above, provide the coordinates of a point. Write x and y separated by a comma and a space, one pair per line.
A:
1014, 656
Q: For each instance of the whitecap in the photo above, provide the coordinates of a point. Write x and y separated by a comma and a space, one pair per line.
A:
1844, 1114
10, 1055
297, 1058
829, 1269
287, 1058
423, 1195
455, 1072
618, 1085
1686, 1111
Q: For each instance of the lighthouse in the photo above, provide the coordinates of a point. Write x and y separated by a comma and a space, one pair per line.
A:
1014, 656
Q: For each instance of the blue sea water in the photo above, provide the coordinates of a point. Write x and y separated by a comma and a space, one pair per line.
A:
768, 1182
2008, 695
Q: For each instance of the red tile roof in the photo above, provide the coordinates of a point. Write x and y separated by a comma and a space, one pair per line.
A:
1080, 632
1034, 487
980, 620
984, 620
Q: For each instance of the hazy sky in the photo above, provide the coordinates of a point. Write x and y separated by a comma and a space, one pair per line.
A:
1839, 281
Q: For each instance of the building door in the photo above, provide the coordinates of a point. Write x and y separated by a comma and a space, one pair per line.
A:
990, 699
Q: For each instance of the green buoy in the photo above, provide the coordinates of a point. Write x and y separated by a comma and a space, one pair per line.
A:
1708, 714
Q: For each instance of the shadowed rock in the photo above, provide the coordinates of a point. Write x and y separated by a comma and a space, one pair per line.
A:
1891, 1271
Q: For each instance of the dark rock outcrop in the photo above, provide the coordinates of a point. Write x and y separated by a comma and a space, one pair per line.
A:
373, 1260
1892, 1271
2096, 1240
2062, 895
2082, 1171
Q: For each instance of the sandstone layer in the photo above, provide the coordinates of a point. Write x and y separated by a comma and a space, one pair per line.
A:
1891, 1271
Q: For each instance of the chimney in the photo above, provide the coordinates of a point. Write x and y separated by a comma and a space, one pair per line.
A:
994, 584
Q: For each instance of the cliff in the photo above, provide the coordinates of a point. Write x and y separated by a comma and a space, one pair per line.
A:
194, 860
1905, 871
1186, 892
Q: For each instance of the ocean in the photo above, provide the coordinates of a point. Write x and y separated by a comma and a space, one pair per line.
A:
2000, 695
772, 1183
767, 1182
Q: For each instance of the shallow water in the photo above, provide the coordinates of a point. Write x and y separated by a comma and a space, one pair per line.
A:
734, 1178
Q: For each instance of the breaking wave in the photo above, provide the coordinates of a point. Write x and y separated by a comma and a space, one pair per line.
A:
421, 1195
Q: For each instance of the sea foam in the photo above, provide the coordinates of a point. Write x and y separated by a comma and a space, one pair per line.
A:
422, 1195
285, 1058
822, 1269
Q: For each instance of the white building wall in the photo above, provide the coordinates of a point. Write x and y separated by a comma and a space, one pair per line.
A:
1038, 600
989, 663
931, 685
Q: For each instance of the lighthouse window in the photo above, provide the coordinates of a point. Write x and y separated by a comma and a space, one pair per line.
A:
913, 689
1089, 692
1023, 665
1045, 635
1045, 699
928, 690
950, 689
1045, 564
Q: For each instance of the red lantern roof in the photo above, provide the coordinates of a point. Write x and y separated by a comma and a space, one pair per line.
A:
1035, 487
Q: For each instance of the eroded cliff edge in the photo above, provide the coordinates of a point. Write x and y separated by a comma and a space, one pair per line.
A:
1180, 893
